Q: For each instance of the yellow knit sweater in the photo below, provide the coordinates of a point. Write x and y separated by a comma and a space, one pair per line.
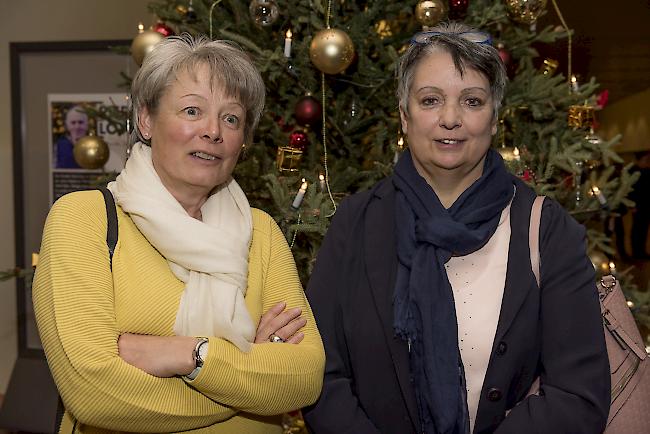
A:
82, 308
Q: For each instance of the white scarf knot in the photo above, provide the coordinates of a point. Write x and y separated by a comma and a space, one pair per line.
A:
209, 256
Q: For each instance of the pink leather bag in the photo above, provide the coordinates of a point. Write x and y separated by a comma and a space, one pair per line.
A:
630, 371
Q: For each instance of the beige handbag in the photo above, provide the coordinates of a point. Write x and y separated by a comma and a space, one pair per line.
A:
630, 400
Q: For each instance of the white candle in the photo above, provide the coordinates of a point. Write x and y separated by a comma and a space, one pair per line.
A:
321, 179
599, 195
301, 194
612, 267
515, 153
287, 44
400, 148
574, 83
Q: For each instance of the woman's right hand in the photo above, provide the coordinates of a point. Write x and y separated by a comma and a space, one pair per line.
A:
282, 323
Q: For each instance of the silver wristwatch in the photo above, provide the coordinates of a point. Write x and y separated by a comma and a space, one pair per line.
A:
198, 353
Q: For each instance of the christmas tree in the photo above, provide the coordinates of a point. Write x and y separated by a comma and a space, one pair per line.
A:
331, 122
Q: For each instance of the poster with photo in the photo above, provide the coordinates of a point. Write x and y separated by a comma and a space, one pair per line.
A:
71, 119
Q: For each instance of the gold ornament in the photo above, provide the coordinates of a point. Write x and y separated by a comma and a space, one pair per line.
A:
549, 66
581, 116
383, 29
525, 11
288, 159
91, 152
331, 51
430, 12
143, 44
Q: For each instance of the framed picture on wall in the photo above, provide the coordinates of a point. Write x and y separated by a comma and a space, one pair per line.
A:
75, 134
49, 82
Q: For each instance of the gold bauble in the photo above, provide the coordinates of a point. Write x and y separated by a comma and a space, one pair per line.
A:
525, 11
331, 51
143, 44
91, 152
430, 12
600, 262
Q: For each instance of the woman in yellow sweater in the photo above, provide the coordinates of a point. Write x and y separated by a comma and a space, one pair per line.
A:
199, 323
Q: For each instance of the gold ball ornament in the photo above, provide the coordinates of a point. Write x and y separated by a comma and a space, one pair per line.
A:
91, 152
430, 12
525, 11
143, 44
331, 51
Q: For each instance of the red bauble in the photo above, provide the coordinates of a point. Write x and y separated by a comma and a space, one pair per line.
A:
602, 99
504, 54
527, 175
308, 111
163, 29
298, 140
458, 9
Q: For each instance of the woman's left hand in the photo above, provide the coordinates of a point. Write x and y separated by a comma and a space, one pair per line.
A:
160, 356
282, 323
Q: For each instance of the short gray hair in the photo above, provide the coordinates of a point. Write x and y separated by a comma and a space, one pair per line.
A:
481, 57
230, 69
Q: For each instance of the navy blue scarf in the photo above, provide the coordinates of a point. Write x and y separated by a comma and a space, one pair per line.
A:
424, 311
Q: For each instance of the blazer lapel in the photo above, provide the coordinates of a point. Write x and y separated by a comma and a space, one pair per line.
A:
519, 274
381, 268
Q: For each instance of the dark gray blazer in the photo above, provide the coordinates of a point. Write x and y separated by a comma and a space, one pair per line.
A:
555, 332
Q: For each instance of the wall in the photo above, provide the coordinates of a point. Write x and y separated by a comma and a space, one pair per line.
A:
629, 117
29, 21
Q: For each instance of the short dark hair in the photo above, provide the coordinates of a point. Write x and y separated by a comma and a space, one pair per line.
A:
482, 57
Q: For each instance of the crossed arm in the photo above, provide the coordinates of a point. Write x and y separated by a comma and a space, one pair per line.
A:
105, 381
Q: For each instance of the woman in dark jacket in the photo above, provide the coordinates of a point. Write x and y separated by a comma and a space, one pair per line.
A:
423, 290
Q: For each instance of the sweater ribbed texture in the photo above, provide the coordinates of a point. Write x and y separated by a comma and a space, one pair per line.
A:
81, 309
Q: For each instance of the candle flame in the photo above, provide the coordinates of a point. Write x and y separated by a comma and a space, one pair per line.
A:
288, 34
515, 152
595, 189
304, 185
321, 177
140, 27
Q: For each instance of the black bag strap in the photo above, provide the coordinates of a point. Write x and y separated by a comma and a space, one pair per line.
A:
111, 218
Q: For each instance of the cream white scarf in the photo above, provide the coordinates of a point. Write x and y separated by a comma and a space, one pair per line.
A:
209, 256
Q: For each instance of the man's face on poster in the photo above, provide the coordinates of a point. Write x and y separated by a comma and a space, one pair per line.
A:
76, 122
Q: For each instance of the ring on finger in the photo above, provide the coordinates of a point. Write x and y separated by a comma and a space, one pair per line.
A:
275, 338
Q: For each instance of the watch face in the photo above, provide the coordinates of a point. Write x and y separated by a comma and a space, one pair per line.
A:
202, 352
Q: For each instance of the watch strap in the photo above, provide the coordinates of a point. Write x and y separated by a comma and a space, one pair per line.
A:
198, 358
